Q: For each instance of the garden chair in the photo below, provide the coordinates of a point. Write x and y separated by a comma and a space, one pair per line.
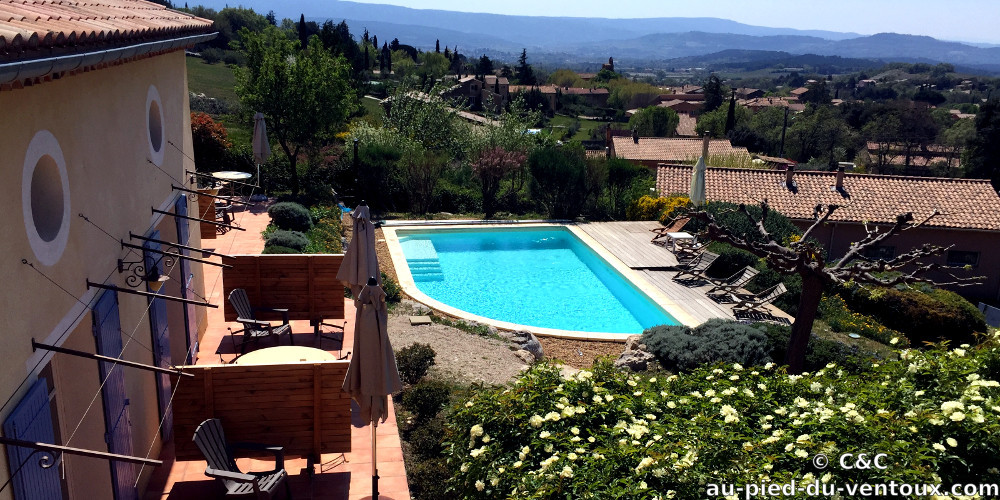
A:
733, 283
660, 234
222, 465
696, 267
254, 330
747, 303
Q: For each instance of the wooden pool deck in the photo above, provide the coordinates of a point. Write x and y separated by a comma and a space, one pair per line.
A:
629, 242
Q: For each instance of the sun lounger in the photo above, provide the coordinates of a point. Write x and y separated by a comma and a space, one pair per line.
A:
695, 268
757, 302
733, 283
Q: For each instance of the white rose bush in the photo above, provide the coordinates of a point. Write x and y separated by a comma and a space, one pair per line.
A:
606, 434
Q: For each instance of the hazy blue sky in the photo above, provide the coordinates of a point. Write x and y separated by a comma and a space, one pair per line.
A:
967, 20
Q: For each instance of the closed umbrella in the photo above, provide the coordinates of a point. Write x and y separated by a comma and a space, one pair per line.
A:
372, 375
360, 261
261, 147
697, 193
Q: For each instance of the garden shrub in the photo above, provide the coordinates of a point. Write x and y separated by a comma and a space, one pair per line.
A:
413, 361
819, 351
727, 215
393, 292
428, 478
646, 208
602, 433
290, 239
452, 198
290, 216
841, 319
425, 440
558, 179
681, 348
425, 399
324, 237
276, 249
921, 316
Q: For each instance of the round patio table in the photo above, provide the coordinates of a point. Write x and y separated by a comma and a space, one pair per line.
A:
232, 175
284, 354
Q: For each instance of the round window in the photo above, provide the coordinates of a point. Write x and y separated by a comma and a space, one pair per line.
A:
45, 198
154, 125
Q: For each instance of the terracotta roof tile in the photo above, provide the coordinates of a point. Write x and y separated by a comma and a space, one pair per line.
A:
27, 25
963, 203
670, 150
686, 125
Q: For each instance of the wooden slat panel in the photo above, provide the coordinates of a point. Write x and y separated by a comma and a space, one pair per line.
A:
306, 285
299, 406
206, 210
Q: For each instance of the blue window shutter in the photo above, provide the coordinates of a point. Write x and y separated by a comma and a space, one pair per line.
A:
190, 315
107, 326
161, 336
31, 420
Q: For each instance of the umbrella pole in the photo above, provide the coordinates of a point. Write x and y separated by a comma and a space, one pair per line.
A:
374, 463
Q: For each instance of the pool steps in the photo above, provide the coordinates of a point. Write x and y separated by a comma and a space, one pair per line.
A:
423, 261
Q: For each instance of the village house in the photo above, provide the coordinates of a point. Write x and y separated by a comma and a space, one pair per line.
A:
97, 134
593, 97
968, 222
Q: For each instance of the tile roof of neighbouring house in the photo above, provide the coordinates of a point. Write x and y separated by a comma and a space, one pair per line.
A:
799, 91
686, 125
30, 28
492, 80
670, 150
962, 203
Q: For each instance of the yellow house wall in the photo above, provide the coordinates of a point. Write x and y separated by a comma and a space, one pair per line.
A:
99, 119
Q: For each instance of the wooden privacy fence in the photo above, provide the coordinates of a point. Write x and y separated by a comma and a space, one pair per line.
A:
300, 406
306, 285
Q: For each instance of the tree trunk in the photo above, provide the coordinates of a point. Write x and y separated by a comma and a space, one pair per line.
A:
812, 292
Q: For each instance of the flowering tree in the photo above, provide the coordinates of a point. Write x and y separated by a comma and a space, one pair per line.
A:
492, 165
210, 142
805, 257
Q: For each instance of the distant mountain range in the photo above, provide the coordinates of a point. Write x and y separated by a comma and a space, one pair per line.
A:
637, 40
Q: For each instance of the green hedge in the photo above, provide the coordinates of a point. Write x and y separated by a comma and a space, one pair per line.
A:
922, 316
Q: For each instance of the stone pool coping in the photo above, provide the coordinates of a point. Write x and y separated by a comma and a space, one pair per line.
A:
635, 279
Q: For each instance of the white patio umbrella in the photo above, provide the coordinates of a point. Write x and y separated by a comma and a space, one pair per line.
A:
261, 147
360, 261
697, 192
372, 375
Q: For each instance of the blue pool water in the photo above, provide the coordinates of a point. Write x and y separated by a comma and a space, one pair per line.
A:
543, 277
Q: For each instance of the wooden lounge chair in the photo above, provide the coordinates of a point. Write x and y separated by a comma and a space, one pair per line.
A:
254, 330
222, 465
757, 302
695, 269
660, 233
733, 283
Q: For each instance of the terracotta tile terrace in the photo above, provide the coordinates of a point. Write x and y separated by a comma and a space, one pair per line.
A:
337, 478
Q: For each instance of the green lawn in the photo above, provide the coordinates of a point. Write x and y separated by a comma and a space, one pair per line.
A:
560, 124
213, 80
372, 107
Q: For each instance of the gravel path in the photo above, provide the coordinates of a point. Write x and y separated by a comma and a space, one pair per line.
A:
460, 356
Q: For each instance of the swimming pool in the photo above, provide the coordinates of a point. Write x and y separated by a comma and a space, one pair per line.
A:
537, 276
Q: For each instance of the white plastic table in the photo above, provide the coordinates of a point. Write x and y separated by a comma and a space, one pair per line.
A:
679, 236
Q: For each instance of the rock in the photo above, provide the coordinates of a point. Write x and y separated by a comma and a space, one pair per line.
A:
493, 331
525, 356
635, 357
526, 341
